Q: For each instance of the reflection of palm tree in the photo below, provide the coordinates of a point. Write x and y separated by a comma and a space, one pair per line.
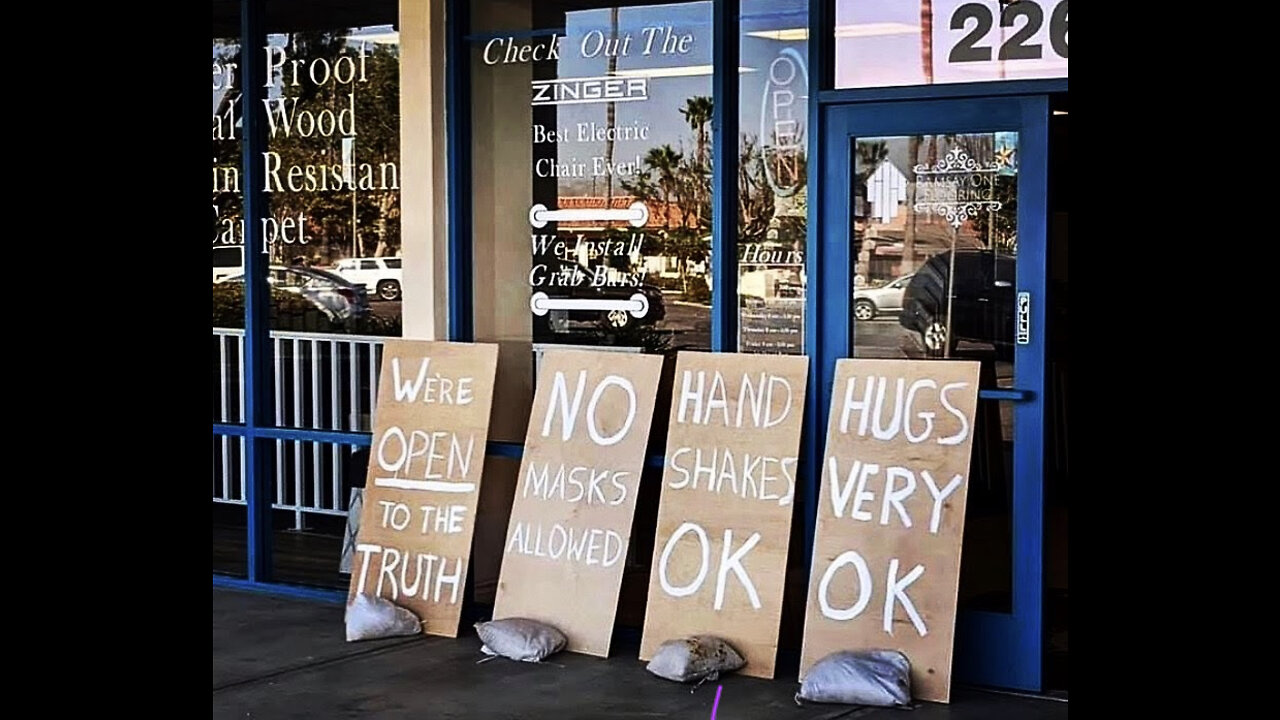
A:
926, 39
666, 162
913, 146
697, 111
909, 233
610, 112
870, 154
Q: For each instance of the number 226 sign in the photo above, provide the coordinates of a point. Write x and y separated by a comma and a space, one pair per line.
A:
884, 43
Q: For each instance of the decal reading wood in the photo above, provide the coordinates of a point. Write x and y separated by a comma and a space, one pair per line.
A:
886, 555
431, 426
576, 493
728, 491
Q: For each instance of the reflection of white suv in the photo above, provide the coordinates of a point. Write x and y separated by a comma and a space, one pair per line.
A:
869, 302
228, 260
379, 275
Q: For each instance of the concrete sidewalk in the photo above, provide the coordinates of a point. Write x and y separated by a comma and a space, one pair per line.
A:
279, 658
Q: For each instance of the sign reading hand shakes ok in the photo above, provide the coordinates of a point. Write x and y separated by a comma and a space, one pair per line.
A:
728, 491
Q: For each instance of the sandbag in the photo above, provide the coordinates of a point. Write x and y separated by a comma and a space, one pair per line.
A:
520, 639
369, 618
880, 678
700, 658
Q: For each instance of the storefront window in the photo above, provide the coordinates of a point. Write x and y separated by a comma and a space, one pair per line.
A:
772, 167
934, 273
228, 390
883, 43
936, 232
591, 181
331, 238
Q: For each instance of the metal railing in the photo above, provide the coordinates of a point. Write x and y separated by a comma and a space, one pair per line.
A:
321, 382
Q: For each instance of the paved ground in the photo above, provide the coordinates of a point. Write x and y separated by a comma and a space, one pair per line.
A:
277, 658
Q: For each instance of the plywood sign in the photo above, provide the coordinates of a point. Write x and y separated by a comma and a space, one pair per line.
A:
570, 526
728, 496
886, 556
425, 466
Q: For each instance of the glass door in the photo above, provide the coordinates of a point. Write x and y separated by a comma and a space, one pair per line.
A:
934, 223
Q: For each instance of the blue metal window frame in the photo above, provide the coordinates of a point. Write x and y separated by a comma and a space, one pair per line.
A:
258, 373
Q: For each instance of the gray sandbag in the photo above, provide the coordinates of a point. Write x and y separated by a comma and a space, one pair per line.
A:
880, 678
369, 618
520, 639
700, 658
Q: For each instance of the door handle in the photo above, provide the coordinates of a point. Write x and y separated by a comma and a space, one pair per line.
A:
1006, 394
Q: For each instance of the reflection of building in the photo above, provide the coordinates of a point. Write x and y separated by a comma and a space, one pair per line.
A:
884, 226
651, 254
886, 192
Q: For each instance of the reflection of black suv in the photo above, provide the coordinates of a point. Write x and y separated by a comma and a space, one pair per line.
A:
982, 303
582, 289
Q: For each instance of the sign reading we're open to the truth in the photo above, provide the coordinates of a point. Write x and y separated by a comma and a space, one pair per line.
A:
570, 526
886, 555
425, 466
728, 496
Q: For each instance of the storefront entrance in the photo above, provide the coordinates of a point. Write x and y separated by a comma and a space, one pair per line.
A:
934, 245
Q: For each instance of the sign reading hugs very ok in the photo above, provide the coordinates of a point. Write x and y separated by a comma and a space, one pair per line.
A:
575, 499
425, 466
728, 491
886, 555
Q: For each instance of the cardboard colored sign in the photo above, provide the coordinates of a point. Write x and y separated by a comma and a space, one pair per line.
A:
575, 500
886, 555
728, 496
425, 465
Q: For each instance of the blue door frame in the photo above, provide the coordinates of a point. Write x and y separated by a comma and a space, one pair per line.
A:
991, 648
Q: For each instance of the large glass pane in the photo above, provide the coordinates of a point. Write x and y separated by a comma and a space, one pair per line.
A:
882, 43
934, 271
591, 182
332, 242
333, 169
228, 405
936, 247
332, 182
772, 167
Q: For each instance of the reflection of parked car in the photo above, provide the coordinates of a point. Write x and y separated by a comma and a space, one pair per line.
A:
574, 281
228, 260
869, 302
982, 302
335, 297
378, 275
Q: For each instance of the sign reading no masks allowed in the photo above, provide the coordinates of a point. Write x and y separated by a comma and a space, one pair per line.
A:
570, 525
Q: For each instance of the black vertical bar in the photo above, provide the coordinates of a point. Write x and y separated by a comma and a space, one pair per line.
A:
457, 113
457, 67
724, 176
257, 296
816, 399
